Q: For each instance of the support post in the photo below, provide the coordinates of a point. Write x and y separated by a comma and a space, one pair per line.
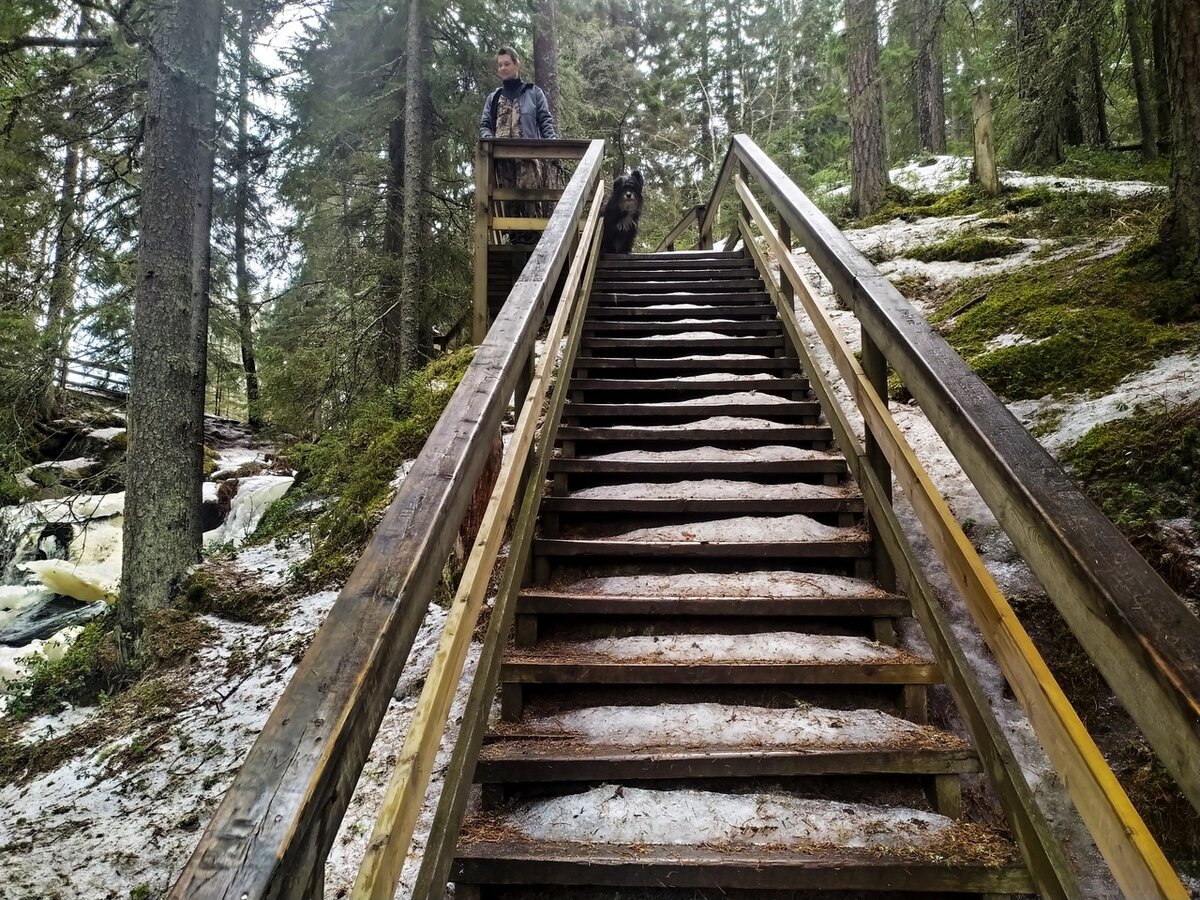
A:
483, 183
875, 367
785, 284
984, 173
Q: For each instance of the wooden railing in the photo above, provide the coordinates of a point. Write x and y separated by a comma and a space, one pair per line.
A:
690, 218
493, 217
1138, 632
273, 829
107, 380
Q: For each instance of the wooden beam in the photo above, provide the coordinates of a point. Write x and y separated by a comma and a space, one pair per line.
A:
479, 291
518, 223
690, 218
392, 837
1139, 633
526, 194
521, 148
272, 831
456, 790
1135, 859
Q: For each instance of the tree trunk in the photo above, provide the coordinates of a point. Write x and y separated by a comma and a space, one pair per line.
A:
241, 210
391, 279
1162, 90
868, 154
1098, 99
62, 287
1181, 230
415, 195
170, 330
928, 76
1040, 85
1141, 84
545, 51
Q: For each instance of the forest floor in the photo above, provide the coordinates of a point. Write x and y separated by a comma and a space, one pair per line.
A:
122, 790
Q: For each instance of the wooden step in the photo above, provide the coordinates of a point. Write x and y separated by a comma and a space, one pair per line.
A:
567, 663
762, 384
677, 550
673, 263
649, 288
754, 364
546, 601
620, 297
795, 435
655, 326
748, 311
775, 411
686, 346
681, 256
663, 273
486, 860
703, 507
683, 464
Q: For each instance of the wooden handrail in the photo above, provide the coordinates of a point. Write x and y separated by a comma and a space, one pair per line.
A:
272, 831
392, 837
690, 218
1137, 631
1137, 863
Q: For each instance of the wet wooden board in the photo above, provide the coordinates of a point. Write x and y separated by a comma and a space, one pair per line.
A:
552, 603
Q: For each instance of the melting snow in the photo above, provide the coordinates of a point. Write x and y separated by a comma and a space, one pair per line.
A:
254, 495
722, 423
713, 724
768, 583
628, 815
756, 377
689, 336
742, 529
780, 647
773, 453
708, 489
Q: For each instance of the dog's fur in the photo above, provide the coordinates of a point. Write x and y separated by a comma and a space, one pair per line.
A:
621, 214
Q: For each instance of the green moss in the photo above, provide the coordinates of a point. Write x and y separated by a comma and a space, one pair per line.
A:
356, 465
1089, 323
1142, 470
87, 670
1113, 165
215, 590
210, 460
968, 247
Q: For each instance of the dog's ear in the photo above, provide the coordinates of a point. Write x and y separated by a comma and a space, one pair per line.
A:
636, 177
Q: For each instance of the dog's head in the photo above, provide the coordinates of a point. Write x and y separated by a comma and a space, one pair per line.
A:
627, 192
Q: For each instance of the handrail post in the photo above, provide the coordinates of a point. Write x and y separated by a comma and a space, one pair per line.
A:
483, 206
784, 231
875, 367
706, 240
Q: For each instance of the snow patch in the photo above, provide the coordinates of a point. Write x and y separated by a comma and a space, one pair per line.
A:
779, 647
628, 815
769, 583
708, 489
689, 336
770, 453
742, 529
722, 423
716, 725
254, 496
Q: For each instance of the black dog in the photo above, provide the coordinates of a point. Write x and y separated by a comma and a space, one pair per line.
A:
621, 214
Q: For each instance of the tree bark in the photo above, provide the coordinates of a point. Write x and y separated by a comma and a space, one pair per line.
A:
1134, 10
241, 210
391, 281
415, 195
1162, 90
1181, 229
170, 330
1040, 85
1097, 97
868, 153
545, 51
929, 76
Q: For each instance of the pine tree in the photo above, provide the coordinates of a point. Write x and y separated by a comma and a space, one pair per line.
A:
868, 155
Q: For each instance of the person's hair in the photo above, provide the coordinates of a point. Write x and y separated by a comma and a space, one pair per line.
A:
510, 53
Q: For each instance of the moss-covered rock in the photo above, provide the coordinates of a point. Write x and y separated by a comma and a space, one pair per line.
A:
968, 247
1089, 322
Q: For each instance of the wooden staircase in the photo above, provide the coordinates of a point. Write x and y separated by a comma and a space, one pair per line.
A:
701, 644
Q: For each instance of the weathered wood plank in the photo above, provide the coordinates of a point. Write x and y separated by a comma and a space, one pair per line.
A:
565, 547
271, 833
550, 603
523, 148
751, 869
519, 669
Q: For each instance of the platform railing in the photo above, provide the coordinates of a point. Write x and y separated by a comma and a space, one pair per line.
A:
1138, 632
272, 831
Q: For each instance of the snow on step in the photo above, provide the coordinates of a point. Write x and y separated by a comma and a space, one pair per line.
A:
716, 423
777, 647
688, 336
703, 321
717, 725
742, 530
769, 453
626, 815
742, 398
719, 357
770, 583
710, 489
719, 376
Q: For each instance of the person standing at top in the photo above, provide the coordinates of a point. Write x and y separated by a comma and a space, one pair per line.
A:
518, 108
